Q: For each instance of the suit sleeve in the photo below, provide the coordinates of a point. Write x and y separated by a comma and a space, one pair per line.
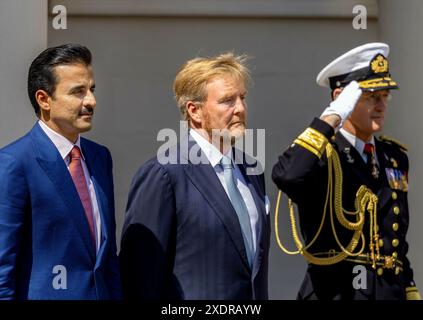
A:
13, 199
148, 235
113, 273
299, 165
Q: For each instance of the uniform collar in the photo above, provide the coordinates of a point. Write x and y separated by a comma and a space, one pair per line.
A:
356, 142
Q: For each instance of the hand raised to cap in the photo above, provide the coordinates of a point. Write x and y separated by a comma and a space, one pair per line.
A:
343, 105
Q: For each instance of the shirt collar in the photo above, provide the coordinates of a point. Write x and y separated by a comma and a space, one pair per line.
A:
212, 153
63, 145
356, 142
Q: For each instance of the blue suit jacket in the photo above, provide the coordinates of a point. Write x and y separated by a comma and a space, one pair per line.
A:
182, 238
43, 224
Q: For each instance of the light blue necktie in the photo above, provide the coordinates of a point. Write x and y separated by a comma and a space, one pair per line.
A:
240, 207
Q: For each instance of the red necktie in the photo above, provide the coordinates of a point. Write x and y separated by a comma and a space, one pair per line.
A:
78, 177
369, 151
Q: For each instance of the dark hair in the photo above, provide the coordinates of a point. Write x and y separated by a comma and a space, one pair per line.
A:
41, 75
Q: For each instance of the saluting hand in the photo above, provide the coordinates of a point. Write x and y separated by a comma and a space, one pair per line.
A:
339, 109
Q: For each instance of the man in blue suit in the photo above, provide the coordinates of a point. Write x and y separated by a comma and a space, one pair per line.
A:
57, 225
198, 228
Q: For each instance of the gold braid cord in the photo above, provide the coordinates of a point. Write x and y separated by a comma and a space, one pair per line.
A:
365, 201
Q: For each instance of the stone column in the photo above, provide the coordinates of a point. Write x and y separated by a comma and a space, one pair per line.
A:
401, 25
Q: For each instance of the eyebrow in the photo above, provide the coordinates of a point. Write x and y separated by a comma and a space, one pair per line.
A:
376, 93
78, 87
231, 95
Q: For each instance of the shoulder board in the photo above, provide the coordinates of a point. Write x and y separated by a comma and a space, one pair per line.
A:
394, 142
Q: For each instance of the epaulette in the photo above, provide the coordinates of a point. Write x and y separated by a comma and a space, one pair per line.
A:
394, 142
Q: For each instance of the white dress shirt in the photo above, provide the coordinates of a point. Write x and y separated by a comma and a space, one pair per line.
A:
64, 146
359, 144
215, 156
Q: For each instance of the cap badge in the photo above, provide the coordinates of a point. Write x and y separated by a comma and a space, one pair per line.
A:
379, 64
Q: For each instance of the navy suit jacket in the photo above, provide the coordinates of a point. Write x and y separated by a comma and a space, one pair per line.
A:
44, 234
182, 238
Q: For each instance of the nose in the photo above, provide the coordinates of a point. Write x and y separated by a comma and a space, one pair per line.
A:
240, 105
89, 99
381, 105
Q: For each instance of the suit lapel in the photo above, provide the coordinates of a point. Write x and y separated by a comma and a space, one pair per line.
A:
204, 178
97, 175
52, 163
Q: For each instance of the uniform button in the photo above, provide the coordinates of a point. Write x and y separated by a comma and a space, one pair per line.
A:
396, 210
394, 255
380, 243
379, 271
395, 242
397, 270
394, 195
395, 226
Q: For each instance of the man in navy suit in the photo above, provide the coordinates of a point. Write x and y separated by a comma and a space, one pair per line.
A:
199, 229
57, 224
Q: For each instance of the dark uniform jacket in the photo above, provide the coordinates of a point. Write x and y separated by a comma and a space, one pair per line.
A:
303, 176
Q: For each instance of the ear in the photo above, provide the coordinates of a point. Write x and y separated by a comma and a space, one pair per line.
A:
43, 100
336, 92
195, 112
